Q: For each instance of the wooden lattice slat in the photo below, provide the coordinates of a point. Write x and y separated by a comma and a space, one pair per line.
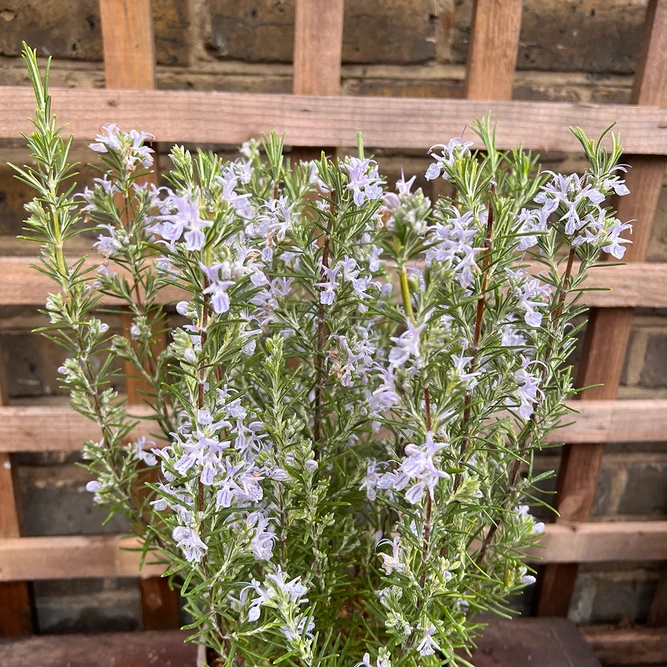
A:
129, 63
318, 46
637, 285
608, 331
37, 558
494, 45
231, 118
631, 646
22, 428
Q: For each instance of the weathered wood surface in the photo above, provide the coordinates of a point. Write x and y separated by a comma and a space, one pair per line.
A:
15, 608
38, 558
650, 87
129, 44
608, 331
627, 646
333, 121
72, 556
517, 643
604, 541
22, 427
532, 642
494, 46
318, 47
640, 285
112, 649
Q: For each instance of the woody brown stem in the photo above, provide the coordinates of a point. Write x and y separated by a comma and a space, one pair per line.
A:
516, 464
477, 333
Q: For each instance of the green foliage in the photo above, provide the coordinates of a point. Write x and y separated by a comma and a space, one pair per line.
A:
356, 383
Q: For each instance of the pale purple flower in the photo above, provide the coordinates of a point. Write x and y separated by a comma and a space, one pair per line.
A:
392, 563
450, 244
112, 244
261, 544
407, 345
617, 184
365, 662
532, 295
527, 390
614, 241
465, 377
108, 138
94, 487
189, 541
182, 214
371, 480
328, 287
299, 628
146, 456
420, 467
293, 589
428, 645
532, 222
451, 152
365, 182
385, 396
526, 579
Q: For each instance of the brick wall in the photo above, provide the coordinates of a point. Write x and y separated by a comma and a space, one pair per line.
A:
574, 50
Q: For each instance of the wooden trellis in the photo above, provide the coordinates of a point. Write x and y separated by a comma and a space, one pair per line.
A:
315, 117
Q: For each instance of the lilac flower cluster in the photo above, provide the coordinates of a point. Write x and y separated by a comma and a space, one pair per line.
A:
452, 245
444, 162
579, 206
200, 455
419, 471
347, 270
130, 146
364, 180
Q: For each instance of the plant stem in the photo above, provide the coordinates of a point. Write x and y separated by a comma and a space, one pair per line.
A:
405, 293
516, 464
321, 333
477, 333
562, 293
407, 305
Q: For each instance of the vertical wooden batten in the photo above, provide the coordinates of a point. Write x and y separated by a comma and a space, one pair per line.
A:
494, 45
608, 330
318, 50
129, 63
129, 44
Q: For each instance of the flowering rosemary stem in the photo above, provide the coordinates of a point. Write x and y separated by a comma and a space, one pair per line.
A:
474, 348
407, 305
320, 340
516, 465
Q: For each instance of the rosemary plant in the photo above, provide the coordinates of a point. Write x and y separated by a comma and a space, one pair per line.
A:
345, 419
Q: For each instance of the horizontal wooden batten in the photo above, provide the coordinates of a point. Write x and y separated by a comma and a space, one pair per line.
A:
23, 428
55, 428
75, 556
309, 120
614, 421
602, 542
635, 285
615, 645
35, 558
